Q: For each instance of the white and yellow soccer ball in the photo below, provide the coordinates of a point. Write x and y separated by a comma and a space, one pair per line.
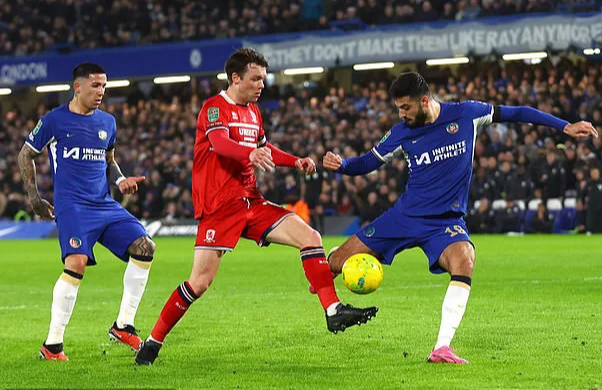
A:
362, 273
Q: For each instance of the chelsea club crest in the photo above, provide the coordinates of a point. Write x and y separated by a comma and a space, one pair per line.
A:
452, 128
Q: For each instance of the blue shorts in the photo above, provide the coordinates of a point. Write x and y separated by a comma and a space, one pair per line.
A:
80, 227
393, 232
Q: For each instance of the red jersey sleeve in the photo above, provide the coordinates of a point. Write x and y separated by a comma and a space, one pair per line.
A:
212, 117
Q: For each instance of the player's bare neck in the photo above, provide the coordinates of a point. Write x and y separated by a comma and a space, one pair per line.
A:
236, 98
78, 108
433, 112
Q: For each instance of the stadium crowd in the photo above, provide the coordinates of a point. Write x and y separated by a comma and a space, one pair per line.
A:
156, 134
64, 25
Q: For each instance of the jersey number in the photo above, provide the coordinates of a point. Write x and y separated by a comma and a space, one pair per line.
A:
457, 230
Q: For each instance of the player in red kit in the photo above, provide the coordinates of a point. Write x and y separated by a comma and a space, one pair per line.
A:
230, 143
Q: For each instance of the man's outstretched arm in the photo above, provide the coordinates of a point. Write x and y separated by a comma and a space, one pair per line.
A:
354, 166
525, 114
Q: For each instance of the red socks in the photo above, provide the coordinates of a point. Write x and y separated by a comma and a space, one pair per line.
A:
174, 309
318, 274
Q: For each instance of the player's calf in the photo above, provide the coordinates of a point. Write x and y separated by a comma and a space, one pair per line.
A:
312, 289
141, 253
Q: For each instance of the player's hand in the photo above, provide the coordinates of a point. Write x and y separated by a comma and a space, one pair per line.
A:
332, 161
262, 159
43, 208
580, 130
130, 184
306, 164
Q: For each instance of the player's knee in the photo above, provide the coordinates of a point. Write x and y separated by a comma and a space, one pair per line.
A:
466, 260
143, 249
311, 238
76, 263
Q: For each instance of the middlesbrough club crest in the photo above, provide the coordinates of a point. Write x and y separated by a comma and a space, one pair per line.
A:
210, 236
452, 128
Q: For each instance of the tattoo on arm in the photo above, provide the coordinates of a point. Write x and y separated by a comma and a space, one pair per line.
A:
28, 171
114, 170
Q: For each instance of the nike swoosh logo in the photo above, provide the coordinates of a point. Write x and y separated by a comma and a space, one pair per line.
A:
416, 140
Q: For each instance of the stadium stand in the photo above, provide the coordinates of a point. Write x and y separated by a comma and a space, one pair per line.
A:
65, 25
156, 132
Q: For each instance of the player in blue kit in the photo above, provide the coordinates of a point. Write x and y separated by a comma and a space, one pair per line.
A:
437, 140
81, 147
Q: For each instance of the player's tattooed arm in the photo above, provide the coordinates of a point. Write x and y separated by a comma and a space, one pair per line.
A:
27, 167
127, 185
115, 173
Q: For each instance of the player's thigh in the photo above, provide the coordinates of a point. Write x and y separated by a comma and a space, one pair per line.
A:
204, 269
352, 246
270, 223
458, 258
448, 247
122, 230
386, 236
221, 230
78, 233
293, 231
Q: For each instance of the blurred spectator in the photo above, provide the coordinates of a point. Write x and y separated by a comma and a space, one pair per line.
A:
594, 201
553, 179
371, 209
508, 218
542, 221
481, 219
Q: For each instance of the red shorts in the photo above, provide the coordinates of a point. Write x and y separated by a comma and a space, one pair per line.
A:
249, 218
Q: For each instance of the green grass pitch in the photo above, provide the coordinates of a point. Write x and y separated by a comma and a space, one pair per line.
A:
533, 322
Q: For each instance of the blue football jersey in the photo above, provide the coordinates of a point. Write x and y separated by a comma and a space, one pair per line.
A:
77, 146
439, 157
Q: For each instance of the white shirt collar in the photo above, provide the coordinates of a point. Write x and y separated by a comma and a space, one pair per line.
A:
226, 97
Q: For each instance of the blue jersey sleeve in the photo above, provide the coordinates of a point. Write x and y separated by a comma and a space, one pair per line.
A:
41, 135
388, 147
113, 137
361, 165
528, 115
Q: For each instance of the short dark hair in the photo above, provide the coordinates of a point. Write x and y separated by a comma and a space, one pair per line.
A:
86, 69
410, 84
238, 61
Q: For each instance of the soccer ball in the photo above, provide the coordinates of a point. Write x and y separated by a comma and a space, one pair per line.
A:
362, 273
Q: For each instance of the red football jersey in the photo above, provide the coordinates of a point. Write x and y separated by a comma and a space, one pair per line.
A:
217, 179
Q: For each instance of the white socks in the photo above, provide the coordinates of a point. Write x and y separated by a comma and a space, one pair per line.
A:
454, 306
134, 282
63, 301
